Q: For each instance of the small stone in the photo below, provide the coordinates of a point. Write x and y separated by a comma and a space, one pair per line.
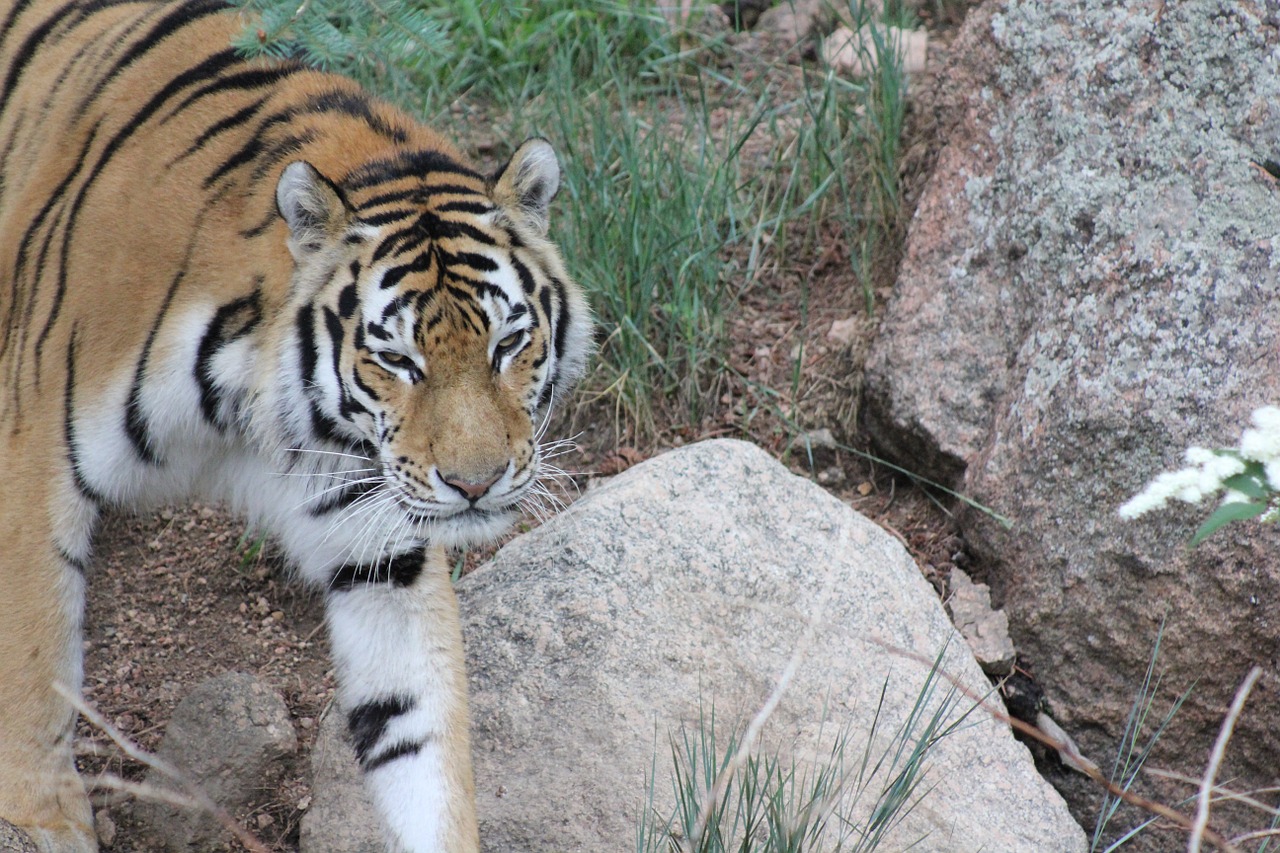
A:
822, 438
264, 820
14, 840
105, 828
229, 736
855, 53
843, 332
984, 628
790, 23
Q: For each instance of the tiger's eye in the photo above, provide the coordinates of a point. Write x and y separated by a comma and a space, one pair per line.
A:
509, 341
395, 359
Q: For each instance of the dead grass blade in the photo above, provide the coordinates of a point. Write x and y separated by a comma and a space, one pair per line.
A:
1089, 769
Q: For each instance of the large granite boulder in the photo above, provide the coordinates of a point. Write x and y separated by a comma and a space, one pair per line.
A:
1090, 287
687, 583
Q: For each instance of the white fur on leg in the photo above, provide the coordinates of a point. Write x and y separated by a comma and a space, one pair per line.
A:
403, 689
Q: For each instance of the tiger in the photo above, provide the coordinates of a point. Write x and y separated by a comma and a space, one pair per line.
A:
250, 281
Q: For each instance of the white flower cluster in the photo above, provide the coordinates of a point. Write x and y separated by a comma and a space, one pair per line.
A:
1207, 469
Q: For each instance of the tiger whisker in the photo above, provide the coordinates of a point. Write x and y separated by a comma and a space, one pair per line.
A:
346, 484
359, 456
365, 504
546, 415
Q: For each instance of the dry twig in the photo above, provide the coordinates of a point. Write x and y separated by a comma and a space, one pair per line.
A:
747, 745
1173, 815
1215, 760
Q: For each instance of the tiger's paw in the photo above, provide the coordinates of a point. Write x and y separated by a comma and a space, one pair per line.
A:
65, 826
64, 837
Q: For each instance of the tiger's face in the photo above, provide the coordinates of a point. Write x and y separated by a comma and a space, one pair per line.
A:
444, 324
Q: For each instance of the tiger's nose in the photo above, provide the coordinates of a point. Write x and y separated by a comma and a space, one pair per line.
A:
472, 490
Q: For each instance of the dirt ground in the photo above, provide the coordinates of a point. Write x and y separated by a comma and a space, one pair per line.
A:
182, 594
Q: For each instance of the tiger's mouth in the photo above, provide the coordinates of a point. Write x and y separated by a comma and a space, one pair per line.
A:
454, 524
466, 528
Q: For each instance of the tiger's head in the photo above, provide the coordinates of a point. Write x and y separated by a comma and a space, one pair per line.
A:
435, 326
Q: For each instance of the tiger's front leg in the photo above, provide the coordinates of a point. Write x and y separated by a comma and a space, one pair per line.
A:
42, 588
397, 647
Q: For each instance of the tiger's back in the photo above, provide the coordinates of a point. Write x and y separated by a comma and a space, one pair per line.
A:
252, 282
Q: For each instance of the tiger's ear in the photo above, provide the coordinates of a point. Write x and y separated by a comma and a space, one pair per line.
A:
526, 185
311, 205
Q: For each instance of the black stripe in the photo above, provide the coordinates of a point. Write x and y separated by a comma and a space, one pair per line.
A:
355, 105
19, 125
272, 217
453, 229
416, 164
478, 262
81, 566
242, 81
333, 324
282, 149
245, 313
24, 245
413, 194
560, 323
411, 233
392, 277
478, 208
305, 325
69, 427
544, 299
387, 217
420, 194
527, 283
368, 721
347, 299
548, 388
399, 750
135, 424
222, 125
465, 310
325, 428
210, 66
14, 12
395, 306
246, 154
253, 147
360, 383
480, 287
436, 318
399, 571
182, 15
68, 15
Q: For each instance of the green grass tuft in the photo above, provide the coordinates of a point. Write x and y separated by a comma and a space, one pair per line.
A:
772, 805
1133, 752
690, 170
